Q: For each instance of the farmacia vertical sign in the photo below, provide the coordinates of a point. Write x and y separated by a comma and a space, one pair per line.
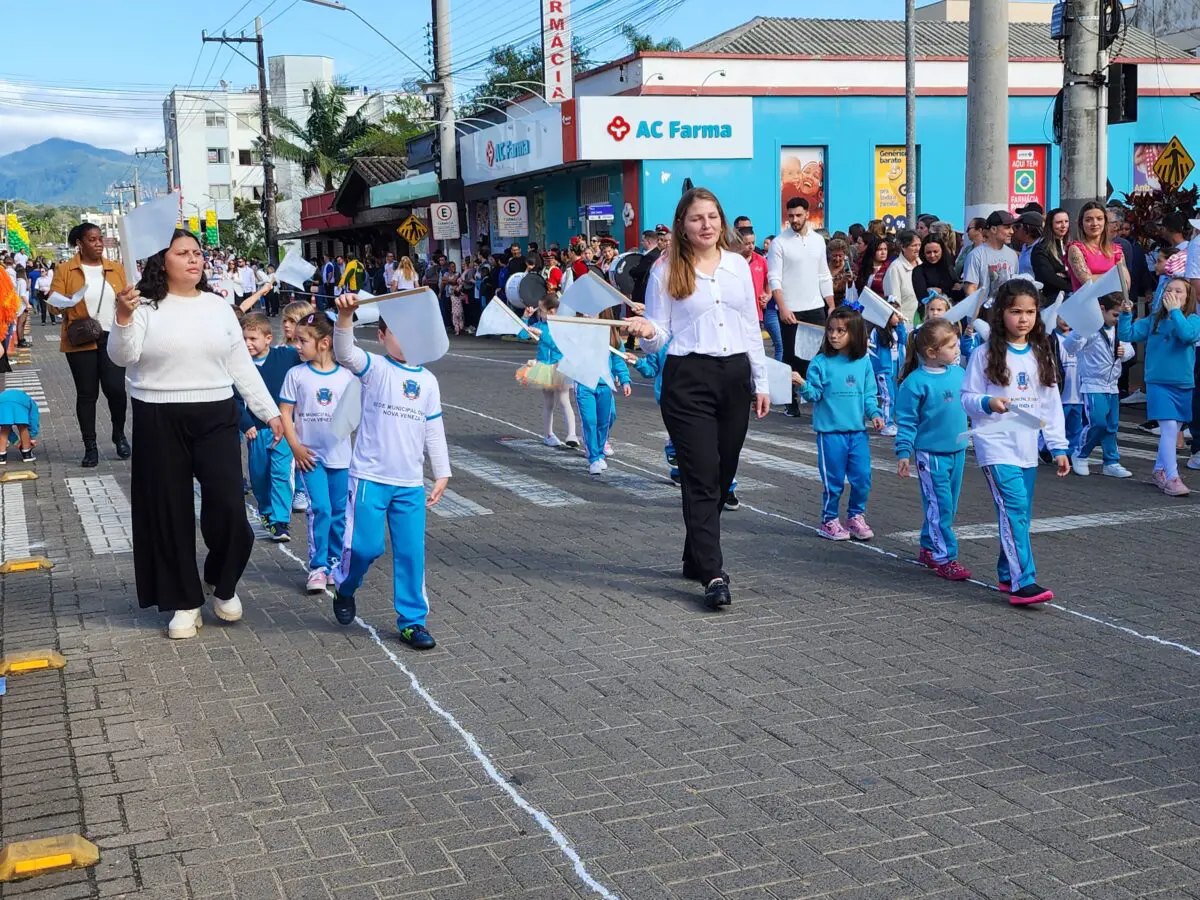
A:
556, 51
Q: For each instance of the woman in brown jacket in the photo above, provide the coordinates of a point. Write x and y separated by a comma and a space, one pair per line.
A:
90, 365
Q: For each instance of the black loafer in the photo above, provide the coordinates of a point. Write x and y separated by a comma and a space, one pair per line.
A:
690, 573
343, 609
716, 594
124, 451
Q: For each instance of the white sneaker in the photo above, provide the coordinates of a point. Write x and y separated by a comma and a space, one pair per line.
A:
609, 451
604, 465
316, 582
228, 610
1135, 397
1116, 470
1194, 461
300, 503
596, 468
890, 431
184, 624
1080, 466
551, 440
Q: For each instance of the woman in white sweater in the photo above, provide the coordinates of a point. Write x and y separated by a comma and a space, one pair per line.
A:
184, 354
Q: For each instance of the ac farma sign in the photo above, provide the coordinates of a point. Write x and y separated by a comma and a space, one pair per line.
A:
665, 127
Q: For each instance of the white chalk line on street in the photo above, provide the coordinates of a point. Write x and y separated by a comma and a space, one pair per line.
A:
1052, 524
544, 821
516, 364
1116, 626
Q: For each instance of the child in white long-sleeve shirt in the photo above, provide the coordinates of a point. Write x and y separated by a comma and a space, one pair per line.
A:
1100, 356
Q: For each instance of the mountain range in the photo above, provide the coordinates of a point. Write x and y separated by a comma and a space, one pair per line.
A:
59, 172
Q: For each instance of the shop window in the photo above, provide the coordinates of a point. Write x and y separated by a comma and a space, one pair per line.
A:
249, 158
593, 189
214, 119
218, 155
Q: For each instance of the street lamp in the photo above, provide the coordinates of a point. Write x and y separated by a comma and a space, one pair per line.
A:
334, 4
720, 72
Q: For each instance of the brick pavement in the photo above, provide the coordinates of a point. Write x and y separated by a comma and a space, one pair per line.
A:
851, 727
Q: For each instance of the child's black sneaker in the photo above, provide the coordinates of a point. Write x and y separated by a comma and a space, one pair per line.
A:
343, 609
675, 479
417, 637
1031, 593
26, 456
732, 502
279, 533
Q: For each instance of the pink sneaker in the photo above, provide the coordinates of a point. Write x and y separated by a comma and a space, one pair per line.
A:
316, 581
925, 558
859, 529
952, 571
1159, 477
834, 530
330, 581
1175, 487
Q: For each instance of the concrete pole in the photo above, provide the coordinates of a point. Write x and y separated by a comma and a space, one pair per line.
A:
987, 108
910, 111
270, 224
1081, 123
443, 66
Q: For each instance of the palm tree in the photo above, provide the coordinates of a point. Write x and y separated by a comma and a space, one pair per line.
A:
323, 146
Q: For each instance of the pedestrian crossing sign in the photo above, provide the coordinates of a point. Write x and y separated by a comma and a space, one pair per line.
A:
1174, 164
412, 230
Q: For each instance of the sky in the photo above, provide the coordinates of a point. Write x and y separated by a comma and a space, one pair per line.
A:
85, 91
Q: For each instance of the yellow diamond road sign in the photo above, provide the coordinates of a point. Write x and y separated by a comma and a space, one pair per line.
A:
1173, 166
412, 230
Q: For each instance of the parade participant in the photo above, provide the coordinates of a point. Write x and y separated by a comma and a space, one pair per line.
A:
19, 416
700, 301
597, 411
886, 349
1068, 386
401, 424
185, 354
85, 330
1015, 369
1170, 335
293, 313
932, 426
542, 372
1100, 358
307, 401
841, 387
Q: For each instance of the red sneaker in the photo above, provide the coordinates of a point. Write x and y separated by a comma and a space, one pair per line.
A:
952, 571
925, 558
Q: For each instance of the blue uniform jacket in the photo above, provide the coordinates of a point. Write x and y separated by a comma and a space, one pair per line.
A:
882, 362
929, 412
1170, 349
651, 366
842, 391
273, 369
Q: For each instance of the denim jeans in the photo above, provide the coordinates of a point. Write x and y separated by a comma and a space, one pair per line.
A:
771, 324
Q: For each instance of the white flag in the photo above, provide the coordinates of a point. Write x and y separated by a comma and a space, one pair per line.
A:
1082, 309
591, 295
585, 353
808, 340
496, 319
779, 381
876, 310
146, 230
1050, 313
295, 270
964, 309
416, 320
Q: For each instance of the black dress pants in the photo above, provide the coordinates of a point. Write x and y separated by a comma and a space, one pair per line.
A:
172, 444
706, 408
93, 372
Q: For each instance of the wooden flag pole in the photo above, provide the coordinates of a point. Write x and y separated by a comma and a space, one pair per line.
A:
585, 320
411, 292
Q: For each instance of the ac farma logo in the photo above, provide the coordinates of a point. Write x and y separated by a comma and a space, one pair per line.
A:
675, 129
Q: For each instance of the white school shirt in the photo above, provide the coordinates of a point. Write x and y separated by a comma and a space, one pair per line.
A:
401, 418
1025, 390
719, 319
316, 395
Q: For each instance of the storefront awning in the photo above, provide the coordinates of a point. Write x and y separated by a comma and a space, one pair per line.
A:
406, 190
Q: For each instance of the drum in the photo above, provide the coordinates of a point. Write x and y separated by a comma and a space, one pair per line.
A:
620, 273
532, 289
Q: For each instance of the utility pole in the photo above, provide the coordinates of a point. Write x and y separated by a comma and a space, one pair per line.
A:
165, 152
910, 112
137, 187
449, 187
1084, 118
987, 108
270, 225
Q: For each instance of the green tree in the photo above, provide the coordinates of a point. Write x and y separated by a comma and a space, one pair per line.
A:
408, 118
643, 43
511, 65
247, 236
324, 144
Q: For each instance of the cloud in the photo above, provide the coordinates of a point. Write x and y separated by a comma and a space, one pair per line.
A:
31, 114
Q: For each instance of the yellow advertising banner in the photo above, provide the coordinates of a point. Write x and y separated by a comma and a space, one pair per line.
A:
891, 183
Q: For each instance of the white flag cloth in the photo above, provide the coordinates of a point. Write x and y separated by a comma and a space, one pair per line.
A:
1082, 309
585, 353
1050, 313
59, 301
295, 270
779, 381
876, 310
1012, 421
147, 230
808, 340
416, 320
496, 319
591, 295
964, 309
348, 413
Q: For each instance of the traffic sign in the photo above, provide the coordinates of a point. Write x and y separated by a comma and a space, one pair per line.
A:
1173, 165
412, 230
512, 217
445, 221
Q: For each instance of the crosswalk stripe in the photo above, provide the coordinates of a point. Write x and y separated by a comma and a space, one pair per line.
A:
776, 463
52, 338
878, 465
14, 530
659, 461
1068, 523
572, 462
27, 380
103, 511
531, 489
455, 506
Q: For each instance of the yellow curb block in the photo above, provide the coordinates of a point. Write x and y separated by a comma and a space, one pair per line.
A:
31, 661
25, 564
25, 859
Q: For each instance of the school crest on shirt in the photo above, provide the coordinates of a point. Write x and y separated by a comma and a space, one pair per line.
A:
324, 397
411, 389
948, 396
1022, 381
851, 381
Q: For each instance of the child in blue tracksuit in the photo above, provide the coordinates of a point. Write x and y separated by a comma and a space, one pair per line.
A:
932, 426
597, 412
1068, 386
401, 424
1015, 370
20, 420
841, 386
542, 372
1100, 358
310, 395
270, 463
885, 347
1170, 335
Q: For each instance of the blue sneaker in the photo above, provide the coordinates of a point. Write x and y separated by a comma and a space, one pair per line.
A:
417, 637
279, 532
343, 609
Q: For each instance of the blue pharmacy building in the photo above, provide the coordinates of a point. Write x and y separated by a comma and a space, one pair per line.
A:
790, 107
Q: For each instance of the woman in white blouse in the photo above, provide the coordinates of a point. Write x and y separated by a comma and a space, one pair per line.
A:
184, 351
701, 305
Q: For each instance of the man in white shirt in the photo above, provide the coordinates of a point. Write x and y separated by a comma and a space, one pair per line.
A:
20, 258
800, 282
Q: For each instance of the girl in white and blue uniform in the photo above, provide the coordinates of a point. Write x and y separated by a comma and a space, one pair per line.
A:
1068, 386
307, 401
1100, 357
886, 349
1015, 370
841, 387
1170, 335
597, 411
931, 425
